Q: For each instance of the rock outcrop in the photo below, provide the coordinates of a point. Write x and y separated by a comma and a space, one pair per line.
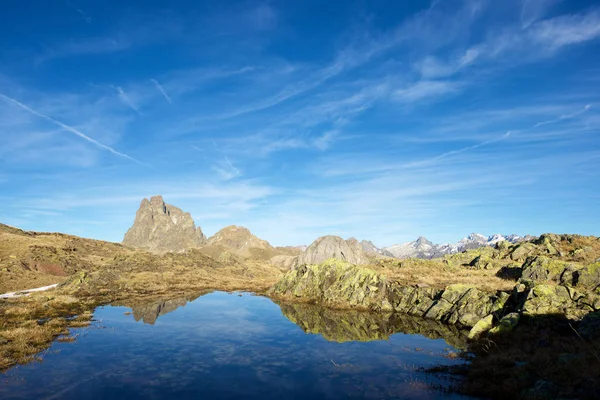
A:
160, 227
327, 247
342, 285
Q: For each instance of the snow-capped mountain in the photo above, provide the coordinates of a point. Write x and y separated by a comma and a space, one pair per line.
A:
423, 248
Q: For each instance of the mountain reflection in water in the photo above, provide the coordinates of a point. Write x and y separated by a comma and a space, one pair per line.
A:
232, 346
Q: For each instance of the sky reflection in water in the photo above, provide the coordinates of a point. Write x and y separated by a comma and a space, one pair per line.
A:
229, 346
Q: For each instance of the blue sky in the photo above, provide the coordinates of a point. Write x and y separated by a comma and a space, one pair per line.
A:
382, 120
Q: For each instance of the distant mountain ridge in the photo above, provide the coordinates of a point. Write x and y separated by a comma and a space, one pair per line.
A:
423, 248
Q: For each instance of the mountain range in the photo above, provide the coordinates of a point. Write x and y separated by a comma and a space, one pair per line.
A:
423, 248
160, 227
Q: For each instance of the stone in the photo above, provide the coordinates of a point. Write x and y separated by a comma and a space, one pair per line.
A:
160, 227
589, 276
465, 305
481, 327
482, 262
542, 268
327, 247
522, 251
506, 324
547, 299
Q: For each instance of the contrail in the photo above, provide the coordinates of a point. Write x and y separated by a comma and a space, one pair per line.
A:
563, 117
503, 137
161, 89
69, 128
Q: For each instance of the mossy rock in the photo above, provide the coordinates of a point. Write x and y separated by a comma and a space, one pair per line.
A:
589, 276
522, 251
482, 326
506, 324
541, 268
465, 305
336, 283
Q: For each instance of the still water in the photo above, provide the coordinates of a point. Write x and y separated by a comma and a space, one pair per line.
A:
240, 346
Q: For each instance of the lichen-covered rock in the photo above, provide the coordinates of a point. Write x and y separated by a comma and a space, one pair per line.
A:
506, 324
336, 283
589, 277
545, 299
327, 247
522, 251
542, 268
481, 327
413, 300
482, 262
160, 227
339, 284
465, 305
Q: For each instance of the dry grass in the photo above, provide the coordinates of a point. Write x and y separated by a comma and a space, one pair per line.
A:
437, 274
29, 325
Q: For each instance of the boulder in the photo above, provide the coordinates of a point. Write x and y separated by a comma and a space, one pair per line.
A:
506, 324
588, 277
465, 305
522, 251
481, 327
542, 268
547, 299
482, 262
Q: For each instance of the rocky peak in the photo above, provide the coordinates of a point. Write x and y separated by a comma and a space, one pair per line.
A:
160, 227
240, 239
333, 247
369, 248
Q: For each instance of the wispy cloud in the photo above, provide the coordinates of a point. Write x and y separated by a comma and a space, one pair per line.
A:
126, 99
68, 128
161, 90
85, 17
426, 89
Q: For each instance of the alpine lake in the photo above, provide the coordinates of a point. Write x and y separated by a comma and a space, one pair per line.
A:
221, 345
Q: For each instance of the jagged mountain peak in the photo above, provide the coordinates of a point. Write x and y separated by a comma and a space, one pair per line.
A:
160, 227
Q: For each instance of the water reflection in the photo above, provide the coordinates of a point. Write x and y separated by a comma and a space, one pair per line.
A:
149, 309
223, 346
350, 325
